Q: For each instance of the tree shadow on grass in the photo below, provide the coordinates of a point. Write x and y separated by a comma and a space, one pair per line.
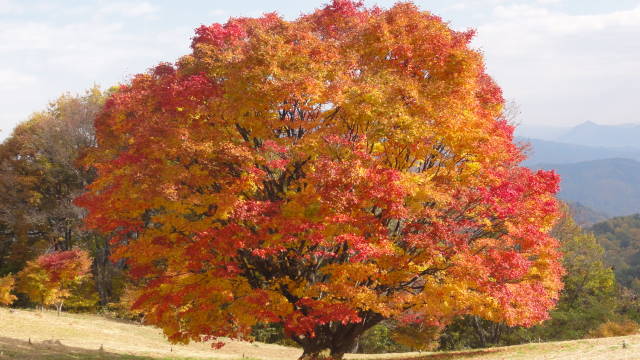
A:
53, 350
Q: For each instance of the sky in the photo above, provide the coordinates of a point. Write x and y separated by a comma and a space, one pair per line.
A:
563, 62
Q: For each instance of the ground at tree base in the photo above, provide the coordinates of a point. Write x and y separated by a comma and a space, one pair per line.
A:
76, 336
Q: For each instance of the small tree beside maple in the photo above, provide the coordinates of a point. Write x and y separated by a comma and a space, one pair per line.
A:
324, 174
6, 287
48, 280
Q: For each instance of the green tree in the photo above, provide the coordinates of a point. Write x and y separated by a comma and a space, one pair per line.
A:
619, 236
589, 294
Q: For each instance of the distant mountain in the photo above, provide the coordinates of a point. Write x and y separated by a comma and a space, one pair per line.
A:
543, 132
551, 152
592, 134
585, 216
609, 186
587, 134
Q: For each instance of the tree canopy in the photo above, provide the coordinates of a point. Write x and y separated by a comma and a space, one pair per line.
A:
39, 179
326, 173
48, 280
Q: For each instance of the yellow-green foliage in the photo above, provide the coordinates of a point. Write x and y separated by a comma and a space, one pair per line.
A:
417, 336
33, 282
83, 295
123, 308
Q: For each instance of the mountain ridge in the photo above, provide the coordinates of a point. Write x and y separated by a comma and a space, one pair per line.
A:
609, 186
587, 133
553, 152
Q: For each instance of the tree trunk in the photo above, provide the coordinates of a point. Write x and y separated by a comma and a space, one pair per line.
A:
479, 332
105, 271
356, 346
68, 237
333, 340
59, 307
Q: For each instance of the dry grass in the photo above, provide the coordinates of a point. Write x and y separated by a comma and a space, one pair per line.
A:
589, 349
23, 350
90, 332
73, 336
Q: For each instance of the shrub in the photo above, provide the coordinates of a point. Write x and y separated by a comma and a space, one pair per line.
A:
379, 339
615, 328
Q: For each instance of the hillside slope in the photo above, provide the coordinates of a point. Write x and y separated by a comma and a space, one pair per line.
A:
610, 186
73, 336
620, 238
585, 216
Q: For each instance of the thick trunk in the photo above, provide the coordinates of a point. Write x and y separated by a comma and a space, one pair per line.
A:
332, 341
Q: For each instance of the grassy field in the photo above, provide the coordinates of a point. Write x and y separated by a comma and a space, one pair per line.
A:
34, 335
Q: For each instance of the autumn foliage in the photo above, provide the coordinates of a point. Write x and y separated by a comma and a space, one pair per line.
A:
325, 173
48, 280
6, 287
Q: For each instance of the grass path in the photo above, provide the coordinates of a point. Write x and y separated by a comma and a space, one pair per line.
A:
77, 336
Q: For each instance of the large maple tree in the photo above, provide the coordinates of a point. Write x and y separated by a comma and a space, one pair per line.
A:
324, 173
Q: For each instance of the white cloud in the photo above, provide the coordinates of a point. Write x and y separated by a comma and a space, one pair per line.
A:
70, 48
520, 12
128, 9
218, 12
11, 79
558, 66
458, 6
584, 67
9, 7
532, 16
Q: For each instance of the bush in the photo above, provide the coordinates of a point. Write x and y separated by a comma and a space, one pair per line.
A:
123, 309
271, 334
615, 328
379, 339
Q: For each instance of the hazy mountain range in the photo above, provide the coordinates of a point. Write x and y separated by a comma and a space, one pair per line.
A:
587, 134
599, 165
553, 152
609, 186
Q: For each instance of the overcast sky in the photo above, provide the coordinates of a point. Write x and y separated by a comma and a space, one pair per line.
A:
563, 61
